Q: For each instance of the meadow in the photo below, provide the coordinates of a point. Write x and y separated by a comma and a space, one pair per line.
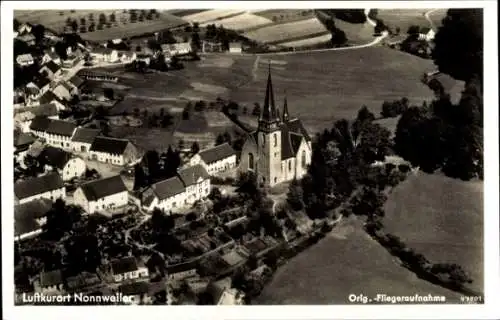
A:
404, 18
241, 22
442, 218
211, 15
347, 261
287, 31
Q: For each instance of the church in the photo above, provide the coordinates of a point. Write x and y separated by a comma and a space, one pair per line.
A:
280, 148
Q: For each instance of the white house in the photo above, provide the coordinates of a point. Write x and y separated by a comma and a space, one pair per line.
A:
64, 91
127, 56
215, 160
197, 183
181, 271
115, 151
24, 28
177, 49
104, 55
25, 60
51, 55
51, 69
127, 269
166, 195
107, 193
83, 138
30, 217
56, 133
41, 86
426, 34
144, 58
234, 47
65, 163
77, 83
49, 186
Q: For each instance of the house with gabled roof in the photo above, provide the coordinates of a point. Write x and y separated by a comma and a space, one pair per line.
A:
40, 85
104, 54
127, 268
64, 91
138, 293
25, 60
103, 194
22, 142
115, 151
50, 97
24, 28
49, 186
216, 159
196, 181
177, 49
426, 34
50, 282
56, 133
83, 138
68, 165
51, 69
77, 83
51, 55
27, 38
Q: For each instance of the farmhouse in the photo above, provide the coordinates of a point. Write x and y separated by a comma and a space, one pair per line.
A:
127, 269
64, 91
234, 47
181, 271
77, 83
24, 28
88, 75
280, 149
115, 151
144, 58
40, 85
51, 55
56, 133
24, 116
30, 217
83, 139
71, 61
51, 69
107, 193
28, 38
426, 34
177, 49
50, 282
65, 163
127, 56
25, 60
137, 291
196, 181
104, 54
49, 186
215, 160
50, 97
22, 142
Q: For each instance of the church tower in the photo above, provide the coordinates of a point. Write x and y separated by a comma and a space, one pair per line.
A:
269, 140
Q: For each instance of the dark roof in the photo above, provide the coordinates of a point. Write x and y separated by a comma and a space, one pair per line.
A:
51, 278
48, 97
52, 66
33, 186
102, 188
25, 215
42, 110
177, 268
26, 37
295, 125
85, 135
109, 145
102, 50
77, 81
22, 139
168, 188
123, 265
41, 82
61, 128
134, 288
425, 30
54, 157
190, 175
217, 153
40, 124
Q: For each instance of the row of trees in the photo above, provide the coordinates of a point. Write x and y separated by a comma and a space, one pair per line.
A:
151, 169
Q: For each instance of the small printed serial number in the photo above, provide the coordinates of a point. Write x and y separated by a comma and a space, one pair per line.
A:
471, 299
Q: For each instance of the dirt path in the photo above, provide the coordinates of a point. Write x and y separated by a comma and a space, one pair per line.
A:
427, 16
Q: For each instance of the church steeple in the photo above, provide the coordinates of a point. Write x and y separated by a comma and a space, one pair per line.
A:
285, 110
269, 114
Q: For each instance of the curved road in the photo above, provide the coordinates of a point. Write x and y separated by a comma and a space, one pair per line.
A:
427, 16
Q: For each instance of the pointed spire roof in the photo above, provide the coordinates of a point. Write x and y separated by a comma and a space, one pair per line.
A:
269, 110
285, 110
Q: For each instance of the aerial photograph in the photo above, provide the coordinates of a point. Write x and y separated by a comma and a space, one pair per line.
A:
248, 157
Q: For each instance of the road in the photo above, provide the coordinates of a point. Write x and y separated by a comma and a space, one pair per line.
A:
427, 16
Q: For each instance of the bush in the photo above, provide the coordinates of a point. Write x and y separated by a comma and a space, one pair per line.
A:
394, 108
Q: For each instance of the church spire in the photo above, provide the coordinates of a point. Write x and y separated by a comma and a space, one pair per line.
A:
285, 110
269, 111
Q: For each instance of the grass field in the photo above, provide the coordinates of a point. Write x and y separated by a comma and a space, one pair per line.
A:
308, 41
287, 31
441, 218
404, 18
184, 12
346, 262
211, 15
437, 17
241, 22
54, 20
285, 15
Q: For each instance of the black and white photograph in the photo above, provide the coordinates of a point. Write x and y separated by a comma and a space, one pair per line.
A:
250, 154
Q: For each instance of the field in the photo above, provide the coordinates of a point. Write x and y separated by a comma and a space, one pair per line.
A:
404, 18
52, 19
184, 12
241, 22
285, 15
346, 262
287, 31
211, 15
437, 17
307, 42
442, 219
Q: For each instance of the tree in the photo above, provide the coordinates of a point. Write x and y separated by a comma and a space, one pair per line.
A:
102, 19
195, 148
380, 26
140, 178
74, 25
458, 47
256, 109
413, 30
364, 115
172, 162
39, 32
295, 195
109, 93
195, 40
112, 18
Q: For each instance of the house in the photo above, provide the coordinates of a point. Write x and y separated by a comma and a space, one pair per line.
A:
77, 83
234, 47
28, 38
107, 193
223, 294
50, 283
138, 292
177, 49
51, 55
56, 133
280, 149
83, 138
71, 61
426, 34
64, 91
22, 142
25, 60
127, 56
215, 160
49, 186
196, 181
65, 163
41, 86
127, 269
51, 69
30, 217
144, 58
115, 151
24, 116
181, 271
24, 28
82, 282
104, 55
50, 97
